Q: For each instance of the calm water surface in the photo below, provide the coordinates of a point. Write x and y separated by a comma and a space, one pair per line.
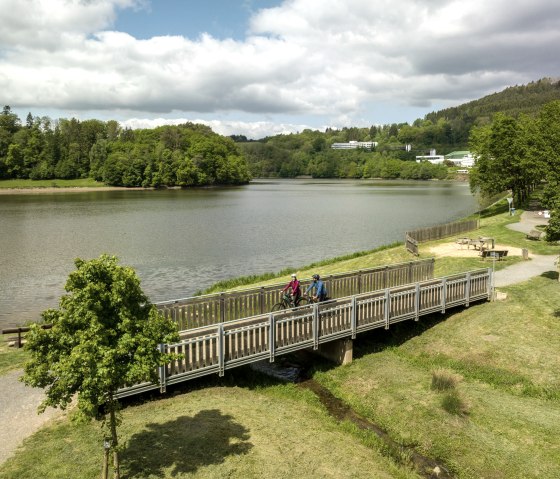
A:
181, 241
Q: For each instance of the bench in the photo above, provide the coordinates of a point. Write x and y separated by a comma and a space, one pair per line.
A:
534, 235
494, 253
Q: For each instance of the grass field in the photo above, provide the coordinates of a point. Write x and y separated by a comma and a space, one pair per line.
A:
55, 183
477, 389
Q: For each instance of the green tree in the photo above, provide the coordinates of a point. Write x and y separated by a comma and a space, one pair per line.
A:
104, 336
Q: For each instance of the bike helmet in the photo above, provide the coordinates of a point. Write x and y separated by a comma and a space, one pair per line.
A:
315, 276
293, 275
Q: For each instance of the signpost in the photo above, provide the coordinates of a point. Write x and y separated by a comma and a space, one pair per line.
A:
510, 203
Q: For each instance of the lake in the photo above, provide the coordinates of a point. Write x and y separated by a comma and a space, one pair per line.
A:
182, 241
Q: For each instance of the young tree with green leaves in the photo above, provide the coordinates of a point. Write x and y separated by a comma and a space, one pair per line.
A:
104, 336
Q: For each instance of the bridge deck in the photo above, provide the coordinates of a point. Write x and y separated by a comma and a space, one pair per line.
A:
214, 349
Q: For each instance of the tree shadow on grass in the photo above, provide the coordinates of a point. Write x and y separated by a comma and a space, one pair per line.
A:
550, 275
183, 445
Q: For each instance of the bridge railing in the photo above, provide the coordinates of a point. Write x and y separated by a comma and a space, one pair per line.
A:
213, 349
216, 308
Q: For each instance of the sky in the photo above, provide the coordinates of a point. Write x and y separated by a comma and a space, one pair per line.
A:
264, 67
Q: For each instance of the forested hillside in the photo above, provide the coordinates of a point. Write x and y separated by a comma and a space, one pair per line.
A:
310, 153
184, 155
528, 99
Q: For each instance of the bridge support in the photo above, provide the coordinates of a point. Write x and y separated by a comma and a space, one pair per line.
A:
339, 351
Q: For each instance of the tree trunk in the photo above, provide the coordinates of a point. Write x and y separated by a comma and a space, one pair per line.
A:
114, 443
105, 468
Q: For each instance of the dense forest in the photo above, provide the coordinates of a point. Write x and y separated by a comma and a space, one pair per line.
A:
310, 153
191, 154
183, 155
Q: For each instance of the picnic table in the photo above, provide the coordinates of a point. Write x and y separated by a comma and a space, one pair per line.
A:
478, 244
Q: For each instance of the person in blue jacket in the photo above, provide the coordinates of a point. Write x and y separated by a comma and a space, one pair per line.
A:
320, 288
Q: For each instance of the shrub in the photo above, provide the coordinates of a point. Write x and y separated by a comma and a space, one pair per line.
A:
443, 380
453, 403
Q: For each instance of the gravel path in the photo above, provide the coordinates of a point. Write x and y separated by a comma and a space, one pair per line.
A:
18, 412
538, 265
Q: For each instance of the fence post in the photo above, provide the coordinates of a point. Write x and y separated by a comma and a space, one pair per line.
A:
162, 371
443, 294
353, 316
261, 299
315, 325
221, 352
271, 337
222, 308
417, 303
387, 307
490, 285
468, 290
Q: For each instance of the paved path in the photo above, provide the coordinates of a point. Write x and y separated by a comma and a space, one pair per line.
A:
18, 412
525, 270
538, 265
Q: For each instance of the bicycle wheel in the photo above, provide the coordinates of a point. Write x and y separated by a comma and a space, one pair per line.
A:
302, 302
278, 307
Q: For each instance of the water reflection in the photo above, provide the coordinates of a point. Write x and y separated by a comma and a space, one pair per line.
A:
181, 241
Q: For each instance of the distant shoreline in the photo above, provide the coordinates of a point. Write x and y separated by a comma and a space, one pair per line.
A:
65, 189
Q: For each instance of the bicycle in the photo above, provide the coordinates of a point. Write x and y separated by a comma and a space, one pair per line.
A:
287, 302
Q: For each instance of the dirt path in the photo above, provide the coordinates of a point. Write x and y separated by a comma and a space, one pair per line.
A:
18, 412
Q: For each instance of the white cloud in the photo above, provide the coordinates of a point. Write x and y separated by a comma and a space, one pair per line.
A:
322, 59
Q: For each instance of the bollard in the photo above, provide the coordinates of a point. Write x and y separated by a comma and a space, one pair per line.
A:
525, 253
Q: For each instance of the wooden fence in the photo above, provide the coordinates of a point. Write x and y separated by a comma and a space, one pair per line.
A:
213, 349
442, 231
216, 308
411, 245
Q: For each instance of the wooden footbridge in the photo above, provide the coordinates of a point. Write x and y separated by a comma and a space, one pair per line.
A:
227, 330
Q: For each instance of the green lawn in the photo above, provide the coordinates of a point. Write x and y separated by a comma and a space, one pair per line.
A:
57, 183
505, 356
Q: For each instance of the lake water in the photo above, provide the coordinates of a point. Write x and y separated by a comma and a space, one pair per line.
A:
182, 241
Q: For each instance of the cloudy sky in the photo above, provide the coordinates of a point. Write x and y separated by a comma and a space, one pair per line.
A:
262, 67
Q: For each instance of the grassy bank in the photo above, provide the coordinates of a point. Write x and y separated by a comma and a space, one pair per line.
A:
25, 184
500, 417
10, 358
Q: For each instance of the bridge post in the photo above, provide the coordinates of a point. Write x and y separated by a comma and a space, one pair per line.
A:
315, 325
271, 337
387, 308
417, 303
339, 351
162, 371
443, 294
468, 290
221, 359
490, 285
353, 316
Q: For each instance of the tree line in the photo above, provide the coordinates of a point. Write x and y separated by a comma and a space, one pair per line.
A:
309, 153
521, 154
182, 155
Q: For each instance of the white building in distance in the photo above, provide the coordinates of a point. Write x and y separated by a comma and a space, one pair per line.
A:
352, 145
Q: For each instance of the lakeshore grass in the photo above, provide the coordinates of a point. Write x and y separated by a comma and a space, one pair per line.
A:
10, 358
54, 183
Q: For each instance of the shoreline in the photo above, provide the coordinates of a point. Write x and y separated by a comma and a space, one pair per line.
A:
65, 189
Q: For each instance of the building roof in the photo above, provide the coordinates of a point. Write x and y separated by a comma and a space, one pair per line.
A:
457, 155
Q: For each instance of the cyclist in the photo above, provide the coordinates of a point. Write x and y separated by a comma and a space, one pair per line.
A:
320, 288
294, 288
